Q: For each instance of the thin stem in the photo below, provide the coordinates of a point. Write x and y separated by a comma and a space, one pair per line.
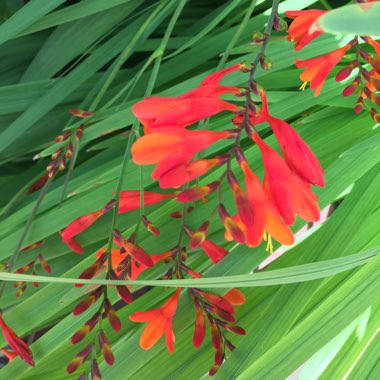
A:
119, 186
135, 126
69, 170
236, 36
25, 231
325, 4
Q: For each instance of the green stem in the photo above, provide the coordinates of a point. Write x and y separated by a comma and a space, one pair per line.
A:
236, 36
69, 170
25, 231
134, 128
325, 4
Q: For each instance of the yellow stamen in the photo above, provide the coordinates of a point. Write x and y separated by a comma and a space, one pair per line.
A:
269, 247
304, 84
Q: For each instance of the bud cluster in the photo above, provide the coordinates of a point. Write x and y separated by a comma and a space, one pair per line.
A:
31, 267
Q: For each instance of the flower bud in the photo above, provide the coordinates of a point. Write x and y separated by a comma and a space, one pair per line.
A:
258, 37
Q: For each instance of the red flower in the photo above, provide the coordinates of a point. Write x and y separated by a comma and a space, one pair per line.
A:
159, 323
16, 343
317, 69
73, 244
301, 30
188, 171
214, 251
130, 199
288, 192
235, 297
299, 157
169, 150
266, 216
160, 113
80, 224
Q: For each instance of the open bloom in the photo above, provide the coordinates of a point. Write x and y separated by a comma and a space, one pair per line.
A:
317, 69
161, 112
16, 343
159, 323
267, 219
289, 193
174, 152
302, 29
168, 150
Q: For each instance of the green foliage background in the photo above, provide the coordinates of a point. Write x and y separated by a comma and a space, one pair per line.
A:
99, 54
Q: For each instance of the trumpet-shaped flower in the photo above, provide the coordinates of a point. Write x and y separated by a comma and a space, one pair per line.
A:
302, 30
266, 216
162, 112
82, 223
159, 322
289, 193
317, 69
299, 157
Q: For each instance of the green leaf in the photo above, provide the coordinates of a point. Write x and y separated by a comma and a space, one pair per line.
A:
360, 19
26, 16
290, 275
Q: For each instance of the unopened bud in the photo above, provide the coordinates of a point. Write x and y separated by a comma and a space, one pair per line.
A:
258, 37
280, 24
51, 165
62, 163
265, 63
69, 150
56, 154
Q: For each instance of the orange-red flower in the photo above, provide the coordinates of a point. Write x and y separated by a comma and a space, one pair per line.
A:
160, 113
78, 225
266, 216
289, 193
214, 251
169, 150
299, 157
188, 171
16, 343
317, 69
130, 199
159, 323
301, 30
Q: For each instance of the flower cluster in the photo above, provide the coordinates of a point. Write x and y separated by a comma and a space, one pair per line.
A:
264, 210
31, 267
363, 70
